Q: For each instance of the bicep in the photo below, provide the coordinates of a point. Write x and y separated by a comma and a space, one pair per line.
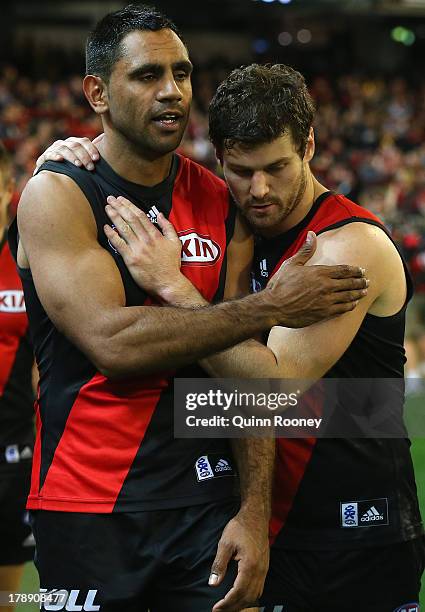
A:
311, 351
76, 280
239, 260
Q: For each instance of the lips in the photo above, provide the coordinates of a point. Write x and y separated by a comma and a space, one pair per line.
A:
168, 119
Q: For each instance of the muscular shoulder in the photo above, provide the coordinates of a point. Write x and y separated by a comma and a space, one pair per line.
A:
53, 210
368, 246
51, 197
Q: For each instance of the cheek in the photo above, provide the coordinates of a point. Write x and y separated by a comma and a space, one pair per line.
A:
238, 187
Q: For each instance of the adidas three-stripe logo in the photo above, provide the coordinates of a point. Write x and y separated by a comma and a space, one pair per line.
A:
153, 214
263, 268
223, 466
372, 515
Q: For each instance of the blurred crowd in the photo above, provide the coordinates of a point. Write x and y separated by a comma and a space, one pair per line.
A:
370, 146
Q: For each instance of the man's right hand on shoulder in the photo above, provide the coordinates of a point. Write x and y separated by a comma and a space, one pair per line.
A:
81, 152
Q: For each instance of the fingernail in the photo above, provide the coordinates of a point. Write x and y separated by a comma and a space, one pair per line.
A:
90, 166
363, 271
110, 199
213, 579
77, 162
364, 291
95, 156
309, 239
367, 282
57, 156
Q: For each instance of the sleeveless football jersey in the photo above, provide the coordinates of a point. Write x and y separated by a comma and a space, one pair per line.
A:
16, 359
105, 445
343, 493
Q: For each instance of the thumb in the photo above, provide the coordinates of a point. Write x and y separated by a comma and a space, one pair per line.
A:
219, 566
307, 250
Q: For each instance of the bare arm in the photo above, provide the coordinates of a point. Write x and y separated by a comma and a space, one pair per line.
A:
307, 353
80, 287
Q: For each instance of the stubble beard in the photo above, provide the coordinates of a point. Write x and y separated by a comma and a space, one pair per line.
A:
284, 209
143, 142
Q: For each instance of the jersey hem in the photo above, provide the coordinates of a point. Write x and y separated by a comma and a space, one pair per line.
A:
107, 507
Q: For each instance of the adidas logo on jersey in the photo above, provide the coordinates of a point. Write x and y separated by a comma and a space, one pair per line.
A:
372, 515
263, 268
153, 214
197, 249
365, 513
12, 300
26, 453
223, 466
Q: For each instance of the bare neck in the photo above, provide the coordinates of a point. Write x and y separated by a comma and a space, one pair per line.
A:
129, 163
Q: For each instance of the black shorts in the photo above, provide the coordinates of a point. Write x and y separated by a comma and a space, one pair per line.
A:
384, 579
136, 561
17, 542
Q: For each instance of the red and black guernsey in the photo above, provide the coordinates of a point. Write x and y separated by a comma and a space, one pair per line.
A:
16, 358
317, 480
108, 446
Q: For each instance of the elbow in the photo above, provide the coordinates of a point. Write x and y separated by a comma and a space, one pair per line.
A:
114, 367
109, 360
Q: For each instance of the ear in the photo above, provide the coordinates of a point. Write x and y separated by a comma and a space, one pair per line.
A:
219, 156
96, 93
310, 147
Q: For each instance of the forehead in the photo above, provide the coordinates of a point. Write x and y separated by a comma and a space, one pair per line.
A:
260, 155
146, 47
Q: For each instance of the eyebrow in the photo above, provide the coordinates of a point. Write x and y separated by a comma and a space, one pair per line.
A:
276, 162
158, 69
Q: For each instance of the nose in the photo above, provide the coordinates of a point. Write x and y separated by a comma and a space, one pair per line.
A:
259, 187
169, 89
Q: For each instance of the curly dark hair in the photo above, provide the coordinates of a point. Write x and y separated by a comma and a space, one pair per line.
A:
103, 47
257, 104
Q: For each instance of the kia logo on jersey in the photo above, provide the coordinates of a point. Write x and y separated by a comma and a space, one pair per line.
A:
12, 300
198, 249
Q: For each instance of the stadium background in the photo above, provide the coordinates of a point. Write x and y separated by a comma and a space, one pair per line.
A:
363, 60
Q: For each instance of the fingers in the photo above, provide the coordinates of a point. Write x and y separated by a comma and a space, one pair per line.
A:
118, 243
50, 154
98, 139
343, 271
167, 228
220, 563
78, 151
244, 592
347, 284
349, 296
126, 216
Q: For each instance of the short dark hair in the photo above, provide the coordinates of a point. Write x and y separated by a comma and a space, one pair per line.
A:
257, 104
103, 47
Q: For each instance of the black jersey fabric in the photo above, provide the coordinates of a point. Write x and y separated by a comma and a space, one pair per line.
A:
108, 446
